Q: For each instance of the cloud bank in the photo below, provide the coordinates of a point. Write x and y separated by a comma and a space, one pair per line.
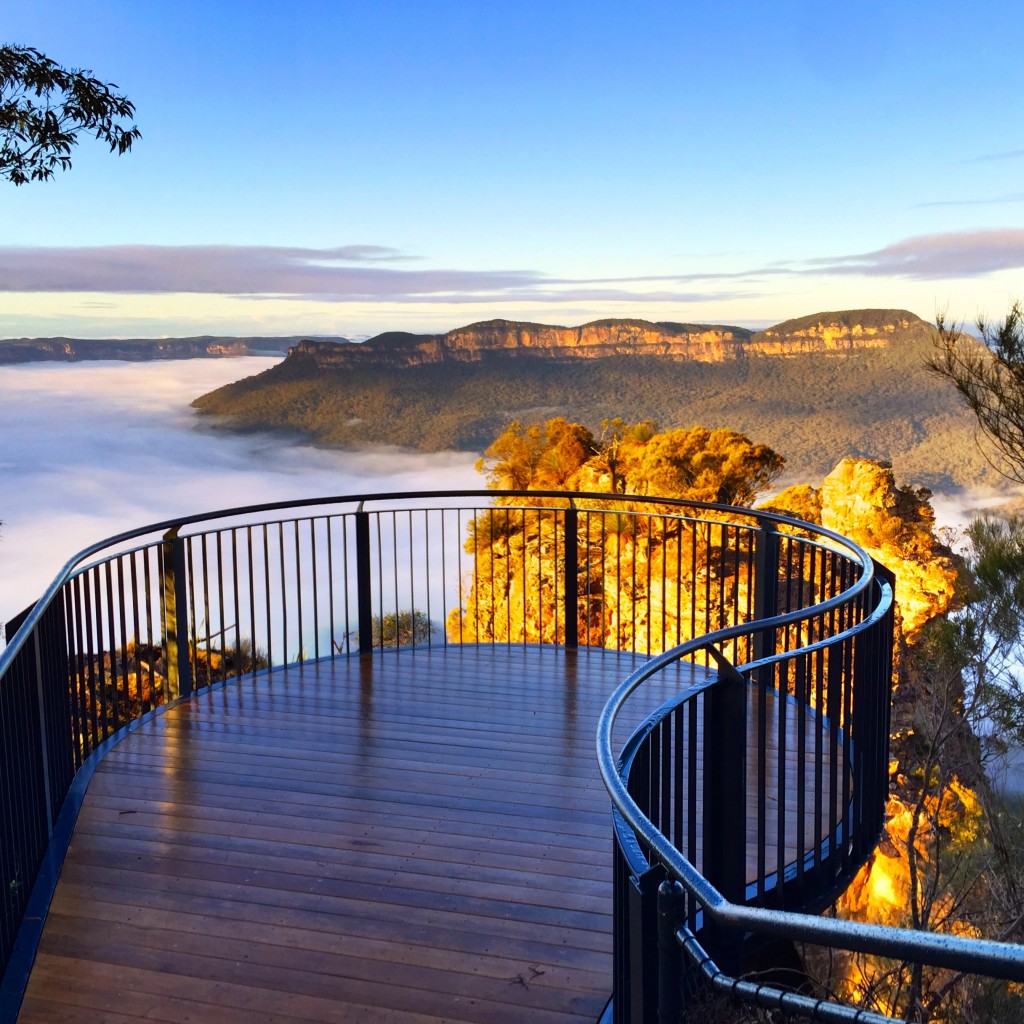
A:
934, 257
345, 274
369, 273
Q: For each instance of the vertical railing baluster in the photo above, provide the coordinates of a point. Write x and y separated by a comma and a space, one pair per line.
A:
221, 613
252, 600
300, 654
329, 529
44, 745
670, 902
571, 588
110, 643
283, 567
725, 802
203, 678
175, 616
191, 635
268, 598
364, 595
766, 587
315, 589
236, 603
147, 583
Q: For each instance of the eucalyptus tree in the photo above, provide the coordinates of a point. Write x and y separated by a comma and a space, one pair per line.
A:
45, 107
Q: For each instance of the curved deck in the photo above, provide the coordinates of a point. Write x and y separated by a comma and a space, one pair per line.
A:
416, 836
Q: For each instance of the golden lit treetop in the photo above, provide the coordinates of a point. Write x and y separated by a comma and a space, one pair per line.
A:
698, 464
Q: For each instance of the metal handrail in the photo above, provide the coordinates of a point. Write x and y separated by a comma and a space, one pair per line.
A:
995, 959
15, 643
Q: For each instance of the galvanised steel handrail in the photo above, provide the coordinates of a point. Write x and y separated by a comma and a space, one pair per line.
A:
682, 909
147, 616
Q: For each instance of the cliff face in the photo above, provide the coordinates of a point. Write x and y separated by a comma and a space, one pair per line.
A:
936, 810
491, 339
836, 332
504, 338
895, 525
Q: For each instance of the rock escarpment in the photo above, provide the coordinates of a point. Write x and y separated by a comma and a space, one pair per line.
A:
509, 338
837, 332
632, 596
459, 391
73, 350
895, 525
713, 343
940, 814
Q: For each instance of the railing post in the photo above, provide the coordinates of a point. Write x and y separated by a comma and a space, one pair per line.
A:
670, 966
642, 908
766, 586
572, 573
364, 594
872, 681
725, 803
175, 616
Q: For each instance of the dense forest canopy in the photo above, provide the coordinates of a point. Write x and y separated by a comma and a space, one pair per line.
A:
699, 464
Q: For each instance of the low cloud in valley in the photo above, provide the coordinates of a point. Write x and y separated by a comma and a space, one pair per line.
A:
91, 449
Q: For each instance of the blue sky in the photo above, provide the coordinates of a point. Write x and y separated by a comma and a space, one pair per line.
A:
344, 168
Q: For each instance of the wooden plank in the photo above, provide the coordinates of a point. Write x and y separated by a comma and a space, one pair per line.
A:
419, 836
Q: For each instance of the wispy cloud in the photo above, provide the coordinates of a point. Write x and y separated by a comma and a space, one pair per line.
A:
933, 257
345, 274
353, 270
547, 296
1014, 197
1006, 154
366, 273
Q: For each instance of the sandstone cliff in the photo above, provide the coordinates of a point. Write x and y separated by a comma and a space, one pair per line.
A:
860, 500
837, 332
632, 597
491, 339
940, 809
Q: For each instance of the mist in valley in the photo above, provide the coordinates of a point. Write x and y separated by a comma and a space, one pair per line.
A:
91, 449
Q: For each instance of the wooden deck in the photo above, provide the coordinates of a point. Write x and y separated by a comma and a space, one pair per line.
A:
419, 836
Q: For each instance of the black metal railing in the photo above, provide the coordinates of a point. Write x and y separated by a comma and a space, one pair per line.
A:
753, 798
152, 615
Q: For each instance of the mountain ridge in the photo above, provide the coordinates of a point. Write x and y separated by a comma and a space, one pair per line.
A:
15, 351
501, 338
817, 390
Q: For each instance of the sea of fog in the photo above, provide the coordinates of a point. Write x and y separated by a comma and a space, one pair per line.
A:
90, 449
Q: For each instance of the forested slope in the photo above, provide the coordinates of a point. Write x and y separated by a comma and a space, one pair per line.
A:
875, 400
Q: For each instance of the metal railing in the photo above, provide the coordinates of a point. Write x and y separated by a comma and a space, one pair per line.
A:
152, 615
803, 726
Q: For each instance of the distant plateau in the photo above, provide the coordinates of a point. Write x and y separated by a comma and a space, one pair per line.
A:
817, 389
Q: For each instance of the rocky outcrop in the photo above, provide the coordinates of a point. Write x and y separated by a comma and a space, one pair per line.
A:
837, 332
633, 593
896, 526
935, 811
713, 343
503, 338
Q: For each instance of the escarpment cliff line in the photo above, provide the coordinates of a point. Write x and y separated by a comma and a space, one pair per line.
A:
818, 388
706, 343
14, 351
